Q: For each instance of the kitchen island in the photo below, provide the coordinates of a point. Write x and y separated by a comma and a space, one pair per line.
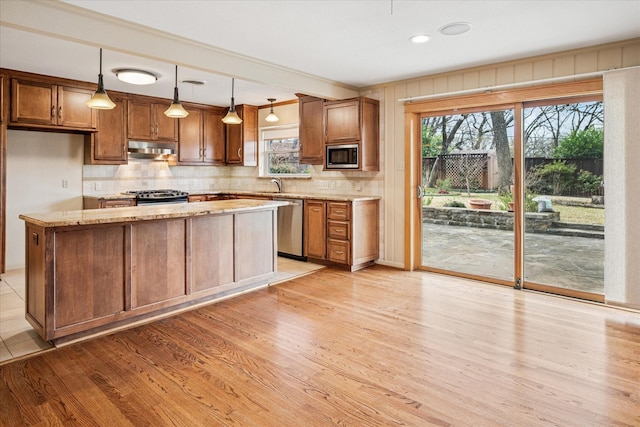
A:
89, 271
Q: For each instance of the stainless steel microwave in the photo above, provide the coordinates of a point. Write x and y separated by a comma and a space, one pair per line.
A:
342, 156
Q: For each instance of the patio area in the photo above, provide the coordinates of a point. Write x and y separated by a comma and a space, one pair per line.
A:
564, 261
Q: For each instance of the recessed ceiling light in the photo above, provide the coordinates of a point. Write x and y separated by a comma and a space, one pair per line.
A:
135, 77
455, 28
420, 38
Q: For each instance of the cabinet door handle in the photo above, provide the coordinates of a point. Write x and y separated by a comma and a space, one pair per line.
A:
239, 152
315, 209
53, 111
59, 112
204, 152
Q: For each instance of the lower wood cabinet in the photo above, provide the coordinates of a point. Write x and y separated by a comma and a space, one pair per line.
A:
341, 233
86, 278
107, 202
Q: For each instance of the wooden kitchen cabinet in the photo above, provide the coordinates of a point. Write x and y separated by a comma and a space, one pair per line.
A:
107, 202
48, 105
344, 234
311, 130
147, 122
108, 146
201, 137
95, 271
315, 229
355, 121
242, 139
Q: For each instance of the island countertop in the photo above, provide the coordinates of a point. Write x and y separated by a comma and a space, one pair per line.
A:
146, 213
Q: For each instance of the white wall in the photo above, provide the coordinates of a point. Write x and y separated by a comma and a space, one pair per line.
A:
37, 164
622, 181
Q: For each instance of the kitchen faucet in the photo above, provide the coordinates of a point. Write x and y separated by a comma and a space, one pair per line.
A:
277, 182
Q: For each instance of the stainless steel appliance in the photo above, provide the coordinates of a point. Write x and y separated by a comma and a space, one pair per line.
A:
290, 229
156, 197
342, 156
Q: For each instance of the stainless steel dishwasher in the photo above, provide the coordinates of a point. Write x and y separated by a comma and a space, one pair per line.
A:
290, 228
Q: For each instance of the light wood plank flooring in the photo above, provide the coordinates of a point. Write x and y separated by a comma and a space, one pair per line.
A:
378, 347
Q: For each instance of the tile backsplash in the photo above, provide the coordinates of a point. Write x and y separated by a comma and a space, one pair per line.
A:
144, 175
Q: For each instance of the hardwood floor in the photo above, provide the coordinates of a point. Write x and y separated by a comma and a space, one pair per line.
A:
377, 347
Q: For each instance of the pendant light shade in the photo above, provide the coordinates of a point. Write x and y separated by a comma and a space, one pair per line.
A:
271, 117
176, 110
100, 100
232, 117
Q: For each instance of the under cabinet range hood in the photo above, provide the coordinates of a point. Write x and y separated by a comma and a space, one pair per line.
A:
146, 150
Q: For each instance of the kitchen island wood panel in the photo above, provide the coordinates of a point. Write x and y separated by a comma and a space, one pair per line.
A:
163, 279
94, 270
212, 261
96, 256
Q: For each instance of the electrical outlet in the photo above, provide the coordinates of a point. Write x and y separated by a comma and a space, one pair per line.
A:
65, 183
332, 185
358, 186
324, 185
97, 186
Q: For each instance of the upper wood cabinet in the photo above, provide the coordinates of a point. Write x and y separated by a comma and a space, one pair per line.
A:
201, 139
355, 121
242, 139
147, 121
43, 104
311, 130
109, 144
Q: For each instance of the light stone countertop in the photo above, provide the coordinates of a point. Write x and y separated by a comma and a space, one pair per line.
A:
324, 197
146, 212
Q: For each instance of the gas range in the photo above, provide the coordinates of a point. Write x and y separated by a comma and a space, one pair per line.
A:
148, 197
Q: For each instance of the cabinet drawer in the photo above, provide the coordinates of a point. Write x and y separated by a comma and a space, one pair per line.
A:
339, 230
118, 203
338, 251
339, 211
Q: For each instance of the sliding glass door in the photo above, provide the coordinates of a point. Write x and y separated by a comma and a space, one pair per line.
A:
540, 227
564, 194
467, 181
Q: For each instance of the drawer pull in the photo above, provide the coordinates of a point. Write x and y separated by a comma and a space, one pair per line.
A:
339, 212
339, 230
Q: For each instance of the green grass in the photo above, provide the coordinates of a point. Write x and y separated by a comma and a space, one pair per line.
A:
574, 214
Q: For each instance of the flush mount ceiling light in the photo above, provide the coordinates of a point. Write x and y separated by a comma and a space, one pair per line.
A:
271, 117
135, 77
455, 28
100, 100
176, 110
232, 117
420, 38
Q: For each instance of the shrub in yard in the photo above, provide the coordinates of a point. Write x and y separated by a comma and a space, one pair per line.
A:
454, 204
557, 176
588, 182
443, 186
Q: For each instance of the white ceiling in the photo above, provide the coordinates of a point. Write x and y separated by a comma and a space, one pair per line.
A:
354, 44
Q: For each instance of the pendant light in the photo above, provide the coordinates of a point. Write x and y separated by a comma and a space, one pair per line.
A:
176, 110
100, 100
232, 117
271, 117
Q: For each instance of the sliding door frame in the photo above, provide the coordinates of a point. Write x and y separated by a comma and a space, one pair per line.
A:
507, 99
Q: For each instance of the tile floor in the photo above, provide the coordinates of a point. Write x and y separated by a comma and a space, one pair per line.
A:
17, 337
